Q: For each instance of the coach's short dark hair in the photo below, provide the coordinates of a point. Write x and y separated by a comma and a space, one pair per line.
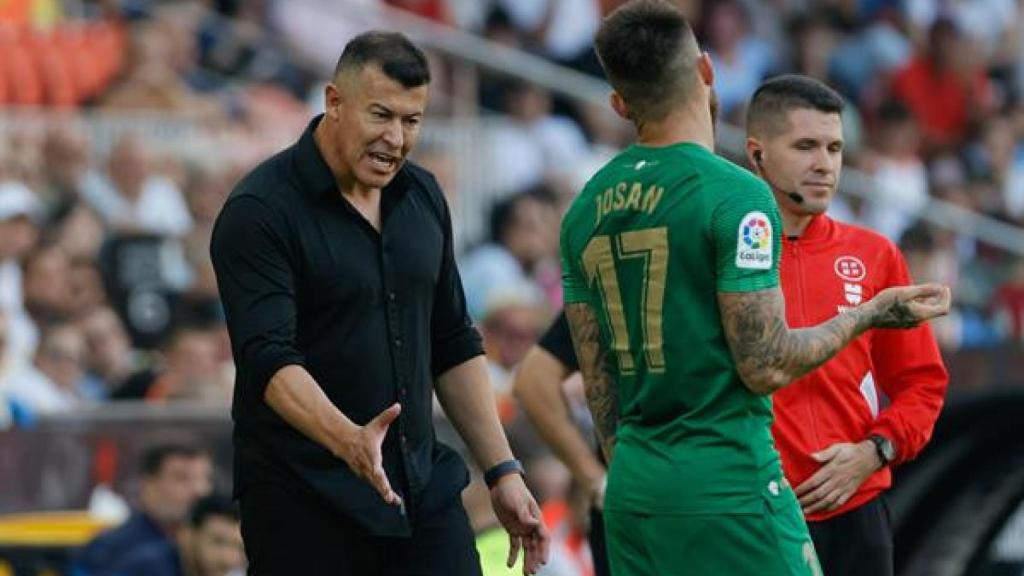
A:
214, 505
154, 457
396, 55
773, 101
648, 52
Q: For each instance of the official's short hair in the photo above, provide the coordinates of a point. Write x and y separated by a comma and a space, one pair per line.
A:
397, 56
214, 505
774, 99
154, 457
648, 51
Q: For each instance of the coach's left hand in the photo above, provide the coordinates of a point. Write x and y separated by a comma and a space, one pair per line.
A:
845, 467
519, 514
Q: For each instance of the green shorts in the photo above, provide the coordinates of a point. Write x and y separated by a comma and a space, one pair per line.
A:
773, 543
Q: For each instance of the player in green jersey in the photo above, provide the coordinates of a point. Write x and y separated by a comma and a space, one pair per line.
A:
670, 258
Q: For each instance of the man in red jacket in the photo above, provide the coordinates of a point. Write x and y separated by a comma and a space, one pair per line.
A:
836, 439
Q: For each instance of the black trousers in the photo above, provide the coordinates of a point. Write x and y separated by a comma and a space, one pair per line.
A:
288, 532
858, 543
598, 549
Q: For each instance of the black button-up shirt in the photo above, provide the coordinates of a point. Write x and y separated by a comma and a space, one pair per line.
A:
373, 316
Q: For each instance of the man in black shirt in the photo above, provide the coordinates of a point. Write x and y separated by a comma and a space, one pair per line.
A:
335, 264
538, 387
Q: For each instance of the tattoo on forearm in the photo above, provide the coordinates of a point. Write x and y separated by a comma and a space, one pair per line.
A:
602, 397
768, 355
896, 315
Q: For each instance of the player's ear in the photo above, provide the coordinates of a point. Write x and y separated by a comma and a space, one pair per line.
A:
755, 154
619, 105
332, 101
705, 69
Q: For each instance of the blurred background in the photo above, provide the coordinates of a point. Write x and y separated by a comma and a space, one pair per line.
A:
124, 125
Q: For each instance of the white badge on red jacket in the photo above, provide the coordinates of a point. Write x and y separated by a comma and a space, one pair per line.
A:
754, 242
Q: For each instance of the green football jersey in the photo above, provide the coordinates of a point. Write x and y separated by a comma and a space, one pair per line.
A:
648, 243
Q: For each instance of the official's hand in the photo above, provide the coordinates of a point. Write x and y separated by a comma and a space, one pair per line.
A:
845, 468
361, 450
519, 514
908, 306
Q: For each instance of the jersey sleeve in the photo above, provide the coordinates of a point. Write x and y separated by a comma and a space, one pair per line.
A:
746, 233
574, 283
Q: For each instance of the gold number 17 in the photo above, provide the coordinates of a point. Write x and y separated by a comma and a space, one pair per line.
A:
650, 245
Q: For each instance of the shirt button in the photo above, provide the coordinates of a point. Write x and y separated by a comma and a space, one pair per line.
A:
398, 342
773, 487
391, 296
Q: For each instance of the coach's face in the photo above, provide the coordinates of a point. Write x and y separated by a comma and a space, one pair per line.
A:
377, 122
806, 157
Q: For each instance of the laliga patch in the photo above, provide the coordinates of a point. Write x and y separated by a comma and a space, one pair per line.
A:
754, 242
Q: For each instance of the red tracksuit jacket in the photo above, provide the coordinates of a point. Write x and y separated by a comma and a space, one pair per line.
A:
831, 266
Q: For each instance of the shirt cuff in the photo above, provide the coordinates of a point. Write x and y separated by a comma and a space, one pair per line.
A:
267, 363
455, 348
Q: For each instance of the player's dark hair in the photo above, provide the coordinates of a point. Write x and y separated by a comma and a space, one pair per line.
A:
648, 51
397, 56
214, 505
773, 101
154, 458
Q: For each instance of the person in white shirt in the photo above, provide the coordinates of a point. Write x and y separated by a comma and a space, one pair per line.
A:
132, 198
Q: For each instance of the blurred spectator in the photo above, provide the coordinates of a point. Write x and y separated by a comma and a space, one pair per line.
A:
20, 213
67, 152
54, 383
741, 60
210, 544
1008, 303
132, 198
987, 23
174, 477
532, 144
564, 29
205, 192
512, 322
815, 40
997, 158
900, 177
944, 87
436, 10
79, 232
47, 285
86, 287
189, 369
523, 241
110, 360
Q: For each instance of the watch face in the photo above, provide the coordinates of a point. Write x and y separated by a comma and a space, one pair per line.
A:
885, 448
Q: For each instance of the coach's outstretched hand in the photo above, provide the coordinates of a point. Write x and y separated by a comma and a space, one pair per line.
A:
362, 452
519, 514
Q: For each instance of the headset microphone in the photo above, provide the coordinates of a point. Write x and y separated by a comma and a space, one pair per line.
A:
794, 196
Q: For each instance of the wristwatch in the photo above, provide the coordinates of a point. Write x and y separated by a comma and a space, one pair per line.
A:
884, 448
494, 473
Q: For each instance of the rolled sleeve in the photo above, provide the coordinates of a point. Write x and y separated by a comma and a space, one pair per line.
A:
454, 339
257, 288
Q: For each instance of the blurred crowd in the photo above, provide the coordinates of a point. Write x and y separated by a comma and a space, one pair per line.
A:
106, 288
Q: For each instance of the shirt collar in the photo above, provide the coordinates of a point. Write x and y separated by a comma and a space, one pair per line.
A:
314, 173
316, 176
818, 229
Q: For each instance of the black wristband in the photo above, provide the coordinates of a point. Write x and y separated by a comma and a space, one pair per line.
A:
494, 473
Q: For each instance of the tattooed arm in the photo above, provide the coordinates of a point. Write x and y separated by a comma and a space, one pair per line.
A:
769, 355
602, 396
